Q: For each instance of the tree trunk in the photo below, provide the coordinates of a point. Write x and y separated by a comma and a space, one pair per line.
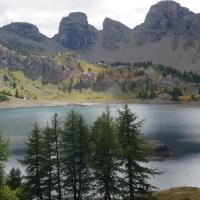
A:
80, 167
130, 175
39, 192
57, 160
49, 186
50, 179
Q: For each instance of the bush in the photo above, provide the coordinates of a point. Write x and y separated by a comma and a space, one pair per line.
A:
7, 194
3, 97
7, 93
176, 92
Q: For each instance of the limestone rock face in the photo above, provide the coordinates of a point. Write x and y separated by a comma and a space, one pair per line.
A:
170, 35
162, 18
165, 15
114, 32
75, 32
26, 30
189, 31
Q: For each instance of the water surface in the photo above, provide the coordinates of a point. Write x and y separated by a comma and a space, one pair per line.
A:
176, 125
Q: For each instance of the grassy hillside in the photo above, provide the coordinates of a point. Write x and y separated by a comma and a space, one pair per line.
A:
179, 194
69, 78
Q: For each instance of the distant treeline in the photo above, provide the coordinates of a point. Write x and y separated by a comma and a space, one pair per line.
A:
185, 76
137, 64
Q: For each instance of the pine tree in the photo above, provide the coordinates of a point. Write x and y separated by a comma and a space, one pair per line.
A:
134, 152
104, 157
48, 164
4, 152
56, 131
33, 164
75, 156
14, 179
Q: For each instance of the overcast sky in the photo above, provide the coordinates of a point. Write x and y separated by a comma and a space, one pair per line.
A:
46, 14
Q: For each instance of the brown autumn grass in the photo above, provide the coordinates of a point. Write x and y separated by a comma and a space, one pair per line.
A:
183, 193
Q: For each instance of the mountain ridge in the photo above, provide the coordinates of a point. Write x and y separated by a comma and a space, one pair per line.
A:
170, 35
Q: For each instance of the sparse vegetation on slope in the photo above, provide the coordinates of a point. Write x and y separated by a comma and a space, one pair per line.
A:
184, 193
67, 77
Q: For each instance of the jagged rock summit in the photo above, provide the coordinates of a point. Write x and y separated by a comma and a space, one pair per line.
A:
169, 35
162, 18
166, 15
75, 32
25, 30
114, 32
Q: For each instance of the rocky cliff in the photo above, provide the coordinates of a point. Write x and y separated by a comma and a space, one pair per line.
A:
26, 30
75, 32
114, 33
170, 35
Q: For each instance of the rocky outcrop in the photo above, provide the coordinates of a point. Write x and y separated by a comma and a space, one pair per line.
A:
114, 32
170, 35
165, 15
169, 18
159, 150
162, 18
189, 31
32, 66
25, 38
26, 30
75, 32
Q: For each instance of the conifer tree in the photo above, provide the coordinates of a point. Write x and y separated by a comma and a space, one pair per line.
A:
4, 152
104, 157
56, 131
33, 164
48, 164
14, 179
134, 151
75, 156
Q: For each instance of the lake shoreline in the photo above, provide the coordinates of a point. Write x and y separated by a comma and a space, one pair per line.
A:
32, 104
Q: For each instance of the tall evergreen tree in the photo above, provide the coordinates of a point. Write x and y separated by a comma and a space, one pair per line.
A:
104, 157
134, 151
56, 131
4, 153
75, 156
33, 164
5, 192
48, 164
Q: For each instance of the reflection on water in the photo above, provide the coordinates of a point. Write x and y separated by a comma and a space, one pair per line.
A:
177, 126
177, 172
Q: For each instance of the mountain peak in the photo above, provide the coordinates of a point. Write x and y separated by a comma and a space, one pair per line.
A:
166, 15
75, 32
76, 17
21, 26
114, 32
24, 29
109, 23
